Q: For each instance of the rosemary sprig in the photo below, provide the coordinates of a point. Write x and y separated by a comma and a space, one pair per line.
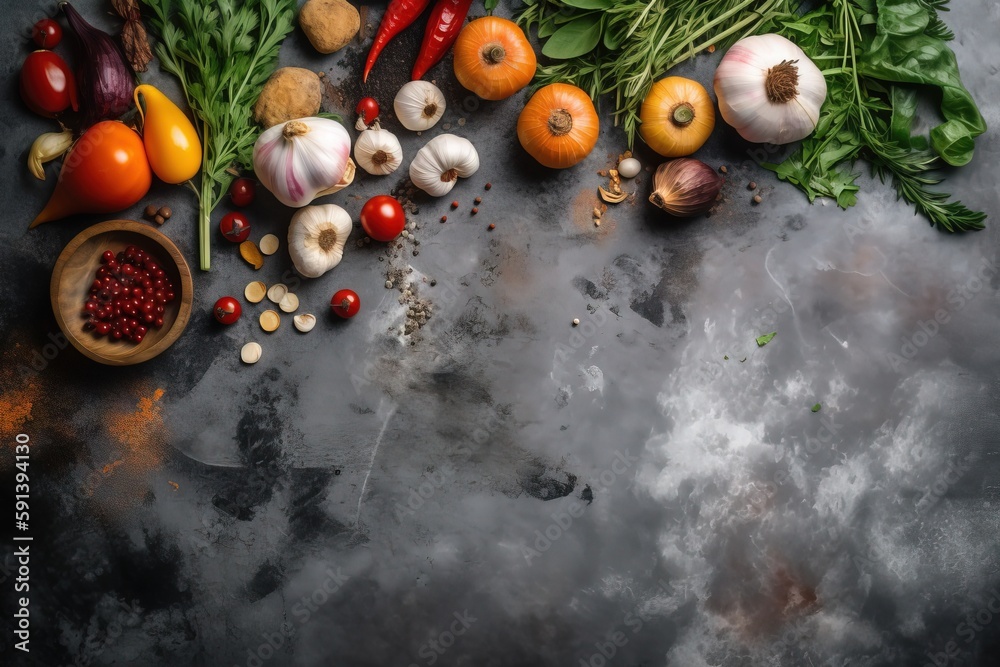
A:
222, 51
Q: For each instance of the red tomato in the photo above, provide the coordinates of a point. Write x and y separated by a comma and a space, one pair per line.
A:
383, 218
346, 303
243, 191
227, 310
46, 34
47, 84
235, 227
367, 110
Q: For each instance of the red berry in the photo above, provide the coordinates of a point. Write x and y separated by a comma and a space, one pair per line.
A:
243, 191
235, 227
46, 34
345, 303
227, 310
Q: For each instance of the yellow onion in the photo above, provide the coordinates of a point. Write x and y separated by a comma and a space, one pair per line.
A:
685, 187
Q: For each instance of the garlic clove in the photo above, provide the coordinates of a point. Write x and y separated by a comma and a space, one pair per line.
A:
269, 244
251, 353
269, 320
277, 292
441, 162
419, 105
317, 236
45, 148
289, 303
255, 291
378, 152
685, 187
304, 322
612, 198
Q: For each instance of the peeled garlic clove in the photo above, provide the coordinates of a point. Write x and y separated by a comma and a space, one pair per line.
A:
629, 167
685, 187
269, 244
277, 292
47, 147
304, 322
251, 353
255, 291
289, 303
269, 320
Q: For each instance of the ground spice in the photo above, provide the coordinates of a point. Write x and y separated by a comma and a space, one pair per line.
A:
141, 428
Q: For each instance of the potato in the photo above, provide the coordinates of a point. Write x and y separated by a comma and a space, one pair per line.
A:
291, 92
329, 24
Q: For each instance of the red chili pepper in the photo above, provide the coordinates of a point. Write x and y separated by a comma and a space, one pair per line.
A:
398, 15
442, 30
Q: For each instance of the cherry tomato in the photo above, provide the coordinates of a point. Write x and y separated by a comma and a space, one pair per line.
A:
235, 227
383, 218
243, 191
367, 110
47, 84
346, 303
46, 34
227, 310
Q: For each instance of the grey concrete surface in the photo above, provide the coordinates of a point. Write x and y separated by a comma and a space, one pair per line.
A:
502, 488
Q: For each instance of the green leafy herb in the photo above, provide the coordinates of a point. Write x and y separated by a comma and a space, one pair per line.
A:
490, 5
222, 51
765, 339
620, 48
876, 54
816, 408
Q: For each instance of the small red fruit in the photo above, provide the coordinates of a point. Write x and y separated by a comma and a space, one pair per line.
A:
367, 110
235, 227
227, 310
383, 218
346, 303
46, 34
47, 85
243, 191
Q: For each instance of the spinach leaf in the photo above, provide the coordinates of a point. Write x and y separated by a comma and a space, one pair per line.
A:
575, 38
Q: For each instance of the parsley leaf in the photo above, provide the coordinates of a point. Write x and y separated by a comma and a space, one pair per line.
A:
222, 51
765, 339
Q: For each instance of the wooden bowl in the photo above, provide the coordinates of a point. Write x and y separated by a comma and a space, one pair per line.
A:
76, 269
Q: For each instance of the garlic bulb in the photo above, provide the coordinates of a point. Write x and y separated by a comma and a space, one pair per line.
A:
316, 238
685, 187
47, 147
769, 90
303, 159
419, 105
437, 166
378, 152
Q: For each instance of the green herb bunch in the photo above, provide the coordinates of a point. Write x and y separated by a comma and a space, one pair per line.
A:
877, 57
222, 51
619, 48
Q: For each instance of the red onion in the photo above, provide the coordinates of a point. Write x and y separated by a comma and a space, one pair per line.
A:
104, 78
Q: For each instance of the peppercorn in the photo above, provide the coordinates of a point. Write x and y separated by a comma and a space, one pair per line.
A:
757, 199
454, 204
489, 185
444, 218
150, 211
479, 200
751, 186
474, 210
492, 227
